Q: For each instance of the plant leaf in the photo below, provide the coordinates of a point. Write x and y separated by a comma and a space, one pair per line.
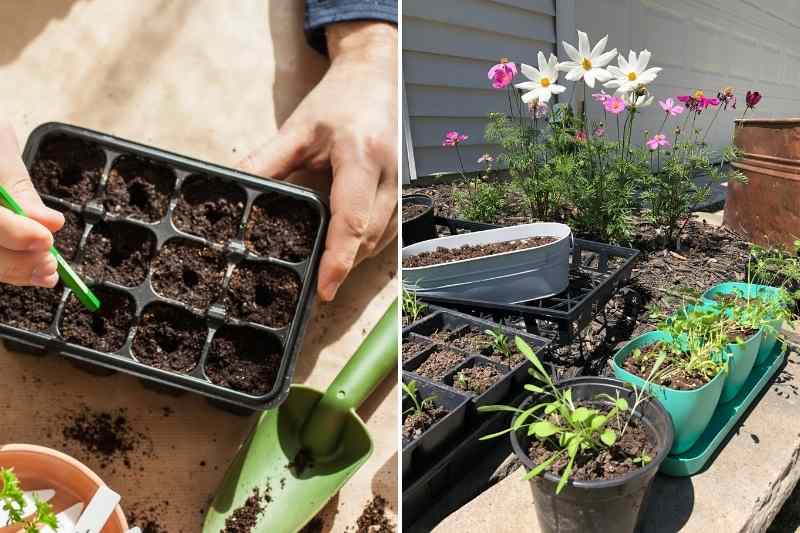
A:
582, 414
533, 388
543, 466
543, 429
598, 422
609, 437
527, 351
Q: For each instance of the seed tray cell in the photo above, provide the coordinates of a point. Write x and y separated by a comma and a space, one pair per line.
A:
161, 238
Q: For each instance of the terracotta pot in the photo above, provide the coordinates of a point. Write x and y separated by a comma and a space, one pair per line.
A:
38, 467
766, 208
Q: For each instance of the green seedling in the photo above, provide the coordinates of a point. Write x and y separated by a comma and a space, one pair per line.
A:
776, 267
412, 307
419, 406
13, 502
461, 380
499, 341
572, 429
643, 460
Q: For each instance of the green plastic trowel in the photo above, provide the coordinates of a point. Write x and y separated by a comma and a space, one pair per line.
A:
65, 272
307, 449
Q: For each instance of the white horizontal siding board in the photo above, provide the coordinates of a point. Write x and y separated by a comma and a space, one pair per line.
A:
483, 16
544, 7
423, 68
436, 160
428, 131
448, 102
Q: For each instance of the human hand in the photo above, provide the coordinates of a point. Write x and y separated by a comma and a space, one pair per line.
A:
25, 257
346, 125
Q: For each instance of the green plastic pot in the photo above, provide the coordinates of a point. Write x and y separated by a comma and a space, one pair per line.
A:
741, 360
769, 335
691, 410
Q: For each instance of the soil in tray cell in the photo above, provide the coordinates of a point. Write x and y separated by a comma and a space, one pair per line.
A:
189, 272
412, 347
476, 379
439, 362
210, 208
139, 188
475, 340
411, 211
118, 252
609, 463
282, 227
448, 255
169, 338
29, 308
642, 366
68, 168
68, 238
416, 423
263, 293
244, 359
104, 330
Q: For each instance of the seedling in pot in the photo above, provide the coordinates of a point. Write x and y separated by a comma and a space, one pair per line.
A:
776, 267
499, 342
565, 431
754, 312
423, 413
413, 309
14, 503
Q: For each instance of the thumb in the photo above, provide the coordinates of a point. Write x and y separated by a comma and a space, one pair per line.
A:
279, 157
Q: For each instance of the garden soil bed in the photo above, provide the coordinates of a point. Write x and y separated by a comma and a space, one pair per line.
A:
245, 360
210, 208
439, 362
105, 330
263, 293
610, 463
139, 188
282, 227
449, 255
169, 338
189, 272
68, 168
415, 424
118, 252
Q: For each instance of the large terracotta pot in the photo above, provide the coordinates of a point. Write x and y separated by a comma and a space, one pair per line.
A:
38, 467
766, 209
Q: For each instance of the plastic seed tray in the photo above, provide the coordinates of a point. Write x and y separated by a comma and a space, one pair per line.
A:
597, 272
206, 275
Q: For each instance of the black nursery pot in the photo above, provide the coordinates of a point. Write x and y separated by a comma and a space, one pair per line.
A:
420, 227
604, 505
206, 275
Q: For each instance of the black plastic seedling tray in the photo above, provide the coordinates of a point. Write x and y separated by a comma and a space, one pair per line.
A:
196, 293
597, 272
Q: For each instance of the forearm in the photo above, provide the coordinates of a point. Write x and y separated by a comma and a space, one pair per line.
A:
322, 14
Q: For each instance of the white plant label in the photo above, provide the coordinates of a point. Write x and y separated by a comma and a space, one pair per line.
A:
97, 512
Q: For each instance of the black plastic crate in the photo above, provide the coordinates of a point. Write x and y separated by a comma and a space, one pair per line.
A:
597, 272
92, 197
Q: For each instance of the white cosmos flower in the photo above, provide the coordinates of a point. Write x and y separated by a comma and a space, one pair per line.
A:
637, 98
587, 62
632, 73
543, 80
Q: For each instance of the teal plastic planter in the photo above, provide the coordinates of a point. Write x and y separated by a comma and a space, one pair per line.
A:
691, 410
769, 335
741, 359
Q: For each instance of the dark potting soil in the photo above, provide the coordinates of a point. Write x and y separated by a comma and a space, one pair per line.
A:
106, 436
415, 424
448, 255
476, 379
442, 336
189, 272
68, 238
245, 518
316, 525
263, 293
29, 308
475, 340
209, 208
609, 463
118, 252
373, 518
68, 168
439, 362
282, 227
678, 380
139, 188
245, 360
169, 338
411, 348
146, 519
104, 330
411, 211
741, 333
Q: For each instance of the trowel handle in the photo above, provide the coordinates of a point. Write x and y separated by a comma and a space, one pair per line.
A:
375, 359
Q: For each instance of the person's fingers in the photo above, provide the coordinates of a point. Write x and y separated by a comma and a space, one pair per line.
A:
383, 221
14, 177
23, 234
351, 204
28, 268
278, 158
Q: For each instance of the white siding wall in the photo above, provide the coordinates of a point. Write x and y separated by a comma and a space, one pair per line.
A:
707, 44
448, 46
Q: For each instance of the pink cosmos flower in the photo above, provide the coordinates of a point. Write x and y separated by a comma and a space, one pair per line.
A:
502, 74
615, 105
657, 141
601, 97
671, 107
453, 138
486, 158
698, 101
580, 136
599, 131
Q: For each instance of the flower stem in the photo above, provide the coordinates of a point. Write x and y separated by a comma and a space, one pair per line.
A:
510, 106
460, 162
703, 140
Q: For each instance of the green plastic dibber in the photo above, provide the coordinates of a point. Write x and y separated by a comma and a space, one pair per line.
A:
65, 272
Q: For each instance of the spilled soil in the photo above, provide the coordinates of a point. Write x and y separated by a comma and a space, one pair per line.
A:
448, 255
106, 435
245, 518
373, 518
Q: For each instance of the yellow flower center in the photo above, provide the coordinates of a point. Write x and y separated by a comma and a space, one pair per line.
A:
503, 60
728, 91
632, 76
586, 64
544, 82
699, 94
